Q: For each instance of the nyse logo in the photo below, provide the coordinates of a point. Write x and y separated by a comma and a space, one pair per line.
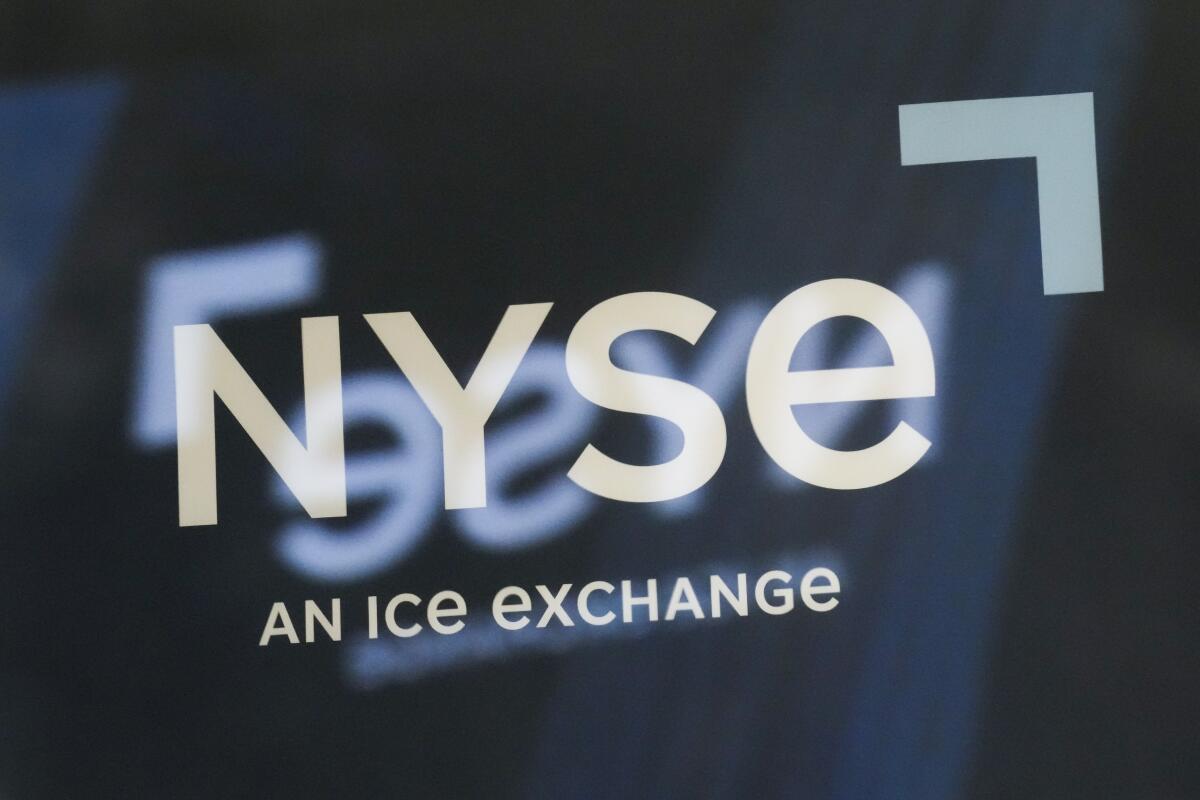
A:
1056, 130
205, 369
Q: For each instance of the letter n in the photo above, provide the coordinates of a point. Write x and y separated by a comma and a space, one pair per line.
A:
204, 369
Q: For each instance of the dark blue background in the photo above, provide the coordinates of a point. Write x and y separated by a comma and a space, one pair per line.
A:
1019, 613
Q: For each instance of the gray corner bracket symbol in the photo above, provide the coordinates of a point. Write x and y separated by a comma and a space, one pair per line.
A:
1059, 131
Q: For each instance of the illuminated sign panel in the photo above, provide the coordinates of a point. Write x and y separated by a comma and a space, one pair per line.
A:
597, 402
